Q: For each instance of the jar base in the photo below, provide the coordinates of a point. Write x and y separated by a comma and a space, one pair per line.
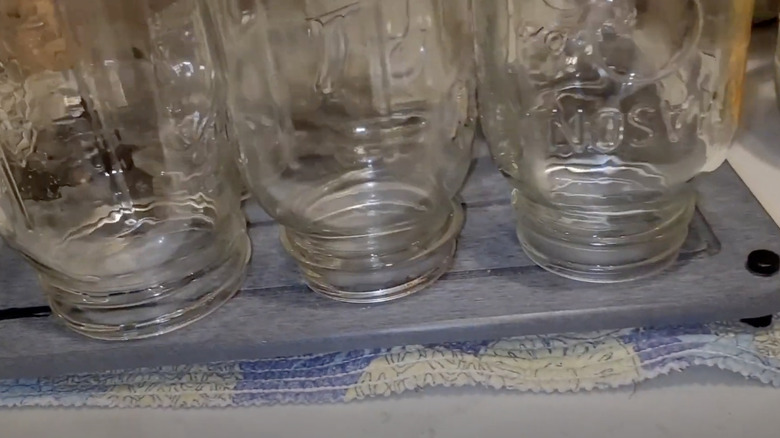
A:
651, 247
373, 278
116, 317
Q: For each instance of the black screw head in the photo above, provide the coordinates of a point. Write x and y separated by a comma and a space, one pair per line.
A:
763, 263
761, 322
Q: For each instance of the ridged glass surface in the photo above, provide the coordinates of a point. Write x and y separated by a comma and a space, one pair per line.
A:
355, 120
119, 182
600, 112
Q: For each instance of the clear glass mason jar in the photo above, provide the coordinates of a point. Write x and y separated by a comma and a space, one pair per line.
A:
356, 120
600, 112
118, 183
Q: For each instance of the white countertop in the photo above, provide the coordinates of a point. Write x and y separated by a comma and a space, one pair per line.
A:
698, 403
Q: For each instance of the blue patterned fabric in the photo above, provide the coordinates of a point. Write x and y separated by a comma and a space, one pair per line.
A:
559, 363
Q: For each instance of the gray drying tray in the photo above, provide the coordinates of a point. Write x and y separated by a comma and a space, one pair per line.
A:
493, 291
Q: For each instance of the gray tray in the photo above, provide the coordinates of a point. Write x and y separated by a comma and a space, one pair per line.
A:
493, 291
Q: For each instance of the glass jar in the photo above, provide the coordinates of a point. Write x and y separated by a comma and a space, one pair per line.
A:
118, 184
600, 112
355, 121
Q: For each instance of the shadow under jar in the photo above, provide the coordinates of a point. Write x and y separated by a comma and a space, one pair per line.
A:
355, 120
600, 113
117, 182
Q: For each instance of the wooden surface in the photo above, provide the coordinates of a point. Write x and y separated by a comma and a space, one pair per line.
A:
493, 291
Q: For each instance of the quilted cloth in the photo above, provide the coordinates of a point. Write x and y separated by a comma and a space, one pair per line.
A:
560, 363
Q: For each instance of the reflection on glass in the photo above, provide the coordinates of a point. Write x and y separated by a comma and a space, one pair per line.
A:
600, 113
355, 121
117, 180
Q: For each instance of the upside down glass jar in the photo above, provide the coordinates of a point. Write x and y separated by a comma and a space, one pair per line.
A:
118, 184
600, 112
355, 121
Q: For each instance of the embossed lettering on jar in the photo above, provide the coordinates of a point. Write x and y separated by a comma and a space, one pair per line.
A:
600, 113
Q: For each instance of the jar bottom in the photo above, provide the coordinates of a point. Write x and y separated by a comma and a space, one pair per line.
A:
644, 242
132, 315
370, 277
